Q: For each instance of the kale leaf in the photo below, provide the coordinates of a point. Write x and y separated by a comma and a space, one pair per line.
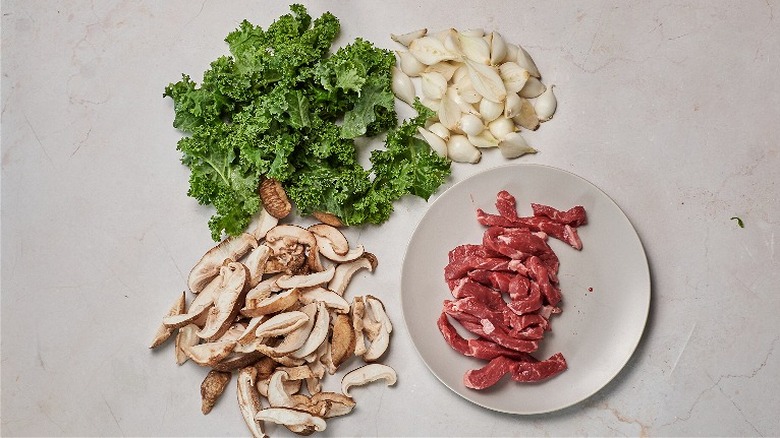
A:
282, 106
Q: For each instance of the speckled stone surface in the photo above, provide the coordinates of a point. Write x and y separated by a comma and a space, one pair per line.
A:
671, 108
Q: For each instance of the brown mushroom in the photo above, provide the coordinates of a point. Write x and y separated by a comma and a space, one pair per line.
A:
306, 280
249, 401
333, 236
342, 343
185, 338
331, 299
345, 272
212, 387
210, 353
274, 198
296, 338
367, 374
164, 332
317, 335
336, 404
261, 223
232, 248
273, 304
255, 263
228, 302
300, 422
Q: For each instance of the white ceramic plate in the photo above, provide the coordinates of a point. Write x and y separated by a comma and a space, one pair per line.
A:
598, 329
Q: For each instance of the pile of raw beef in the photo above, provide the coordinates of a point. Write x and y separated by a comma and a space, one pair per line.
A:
506, 289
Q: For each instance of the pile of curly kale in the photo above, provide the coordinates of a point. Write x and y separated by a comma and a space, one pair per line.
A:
283, 106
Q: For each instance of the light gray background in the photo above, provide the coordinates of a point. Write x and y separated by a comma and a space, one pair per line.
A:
671, 108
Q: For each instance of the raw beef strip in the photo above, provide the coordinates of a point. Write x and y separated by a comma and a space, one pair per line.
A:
574, 216
536, 371
475, 347
459, 268
489, 374
506, 205
531, 303
540, 274
488, 331
466, 287
563, 232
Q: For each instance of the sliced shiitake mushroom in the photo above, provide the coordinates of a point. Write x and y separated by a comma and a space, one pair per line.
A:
249, 401
273, 304
367, 374
345, 271
186, 337
232, 248
261, 223
281, 324
210, 353
336, 404
212, 387
274, 198
317, 335
333, 236
342, 343
255, 263
306, 280
228, 302
300, 422
296, 338
331, 299
164, 332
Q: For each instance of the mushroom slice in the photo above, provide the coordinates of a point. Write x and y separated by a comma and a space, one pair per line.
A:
228, 302
367, 374
212, 387
186, 337
345, 271
261, 223
326, 249
331, 299
277, 394
303, 422
288, 235
249, 401
296, 338
318, 333
164, 332
306, 280
249, 331
255, 263
199, 306
358, 311
273, 304
377, 320
336, 404
281, 324
378, 312
232, 248
210, 353
342, 343
262, 290
236, 360
333, 236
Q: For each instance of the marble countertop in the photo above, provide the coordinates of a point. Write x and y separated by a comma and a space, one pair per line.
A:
671, 108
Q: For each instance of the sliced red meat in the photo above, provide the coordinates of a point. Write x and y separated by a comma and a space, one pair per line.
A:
506, 205
574, 216
537, 371
475, 347
540, 274
459, 268
467, 287
489, 374
529, 304
496, 335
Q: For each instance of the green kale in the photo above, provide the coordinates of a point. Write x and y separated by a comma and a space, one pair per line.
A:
282, 106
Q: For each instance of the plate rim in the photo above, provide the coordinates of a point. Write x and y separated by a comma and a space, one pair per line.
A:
645, 265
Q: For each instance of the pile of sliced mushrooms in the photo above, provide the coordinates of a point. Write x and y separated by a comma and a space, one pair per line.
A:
270, 305
483, 90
